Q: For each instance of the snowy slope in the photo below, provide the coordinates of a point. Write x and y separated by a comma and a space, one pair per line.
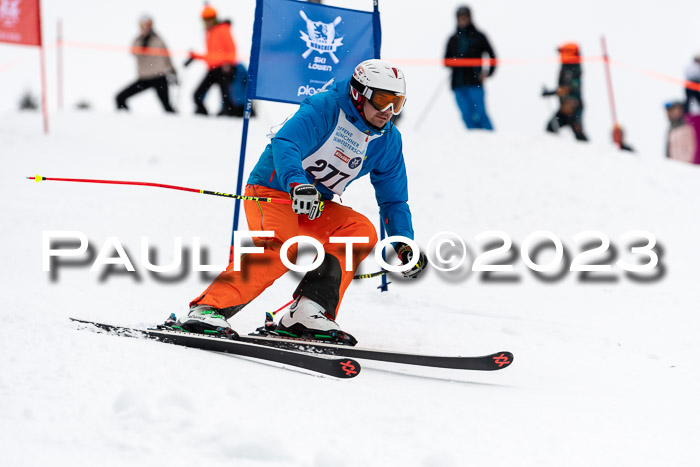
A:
604, 372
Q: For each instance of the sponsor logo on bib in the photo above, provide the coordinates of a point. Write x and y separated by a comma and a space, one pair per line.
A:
343, 157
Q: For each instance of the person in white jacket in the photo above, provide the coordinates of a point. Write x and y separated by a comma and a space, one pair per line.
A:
682, 140
153, 66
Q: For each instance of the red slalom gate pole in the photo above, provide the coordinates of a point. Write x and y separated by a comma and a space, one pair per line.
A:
44, 110
39, 178
608, 76
59, 63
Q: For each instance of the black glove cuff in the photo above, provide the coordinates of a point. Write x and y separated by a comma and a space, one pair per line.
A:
404, 252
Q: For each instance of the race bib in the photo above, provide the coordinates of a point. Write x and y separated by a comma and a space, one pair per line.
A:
340, 158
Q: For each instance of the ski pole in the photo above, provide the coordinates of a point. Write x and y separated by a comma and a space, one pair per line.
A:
271, 314
554, 118
176, 100
39, 178
608, 78
431, 102
371, 275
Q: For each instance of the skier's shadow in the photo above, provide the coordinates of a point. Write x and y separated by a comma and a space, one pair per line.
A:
446, 379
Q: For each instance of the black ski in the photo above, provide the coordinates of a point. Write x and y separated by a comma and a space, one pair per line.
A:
496, 361
337, 367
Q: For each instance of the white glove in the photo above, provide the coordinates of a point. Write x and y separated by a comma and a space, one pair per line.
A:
306, 200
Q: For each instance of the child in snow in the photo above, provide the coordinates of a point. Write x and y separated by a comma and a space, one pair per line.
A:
569, 91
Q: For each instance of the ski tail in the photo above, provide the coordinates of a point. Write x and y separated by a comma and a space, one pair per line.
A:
337, 366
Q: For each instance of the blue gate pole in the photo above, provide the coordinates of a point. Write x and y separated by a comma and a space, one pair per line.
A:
241, 167
250, 95
377, 31
385, 284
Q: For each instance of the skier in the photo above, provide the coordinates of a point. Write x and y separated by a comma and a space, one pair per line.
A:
569, 91
692, 74
221, 61
153, 64
335, 137
468, 81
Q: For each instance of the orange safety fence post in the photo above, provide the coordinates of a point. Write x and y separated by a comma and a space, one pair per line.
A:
59, 63
44, 110
608, 77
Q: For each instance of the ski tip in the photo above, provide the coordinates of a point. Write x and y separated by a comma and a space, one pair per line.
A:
502, 360
348, 368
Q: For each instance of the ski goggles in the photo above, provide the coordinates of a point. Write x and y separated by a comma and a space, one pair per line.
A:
382, 100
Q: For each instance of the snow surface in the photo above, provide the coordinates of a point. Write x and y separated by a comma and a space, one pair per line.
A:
604, 371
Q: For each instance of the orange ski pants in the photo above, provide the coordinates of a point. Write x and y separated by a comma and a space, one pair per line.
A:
259, 271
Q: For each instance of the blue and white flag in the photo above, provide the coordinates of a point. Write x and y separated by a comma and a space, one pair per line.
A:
300, 46
297, 48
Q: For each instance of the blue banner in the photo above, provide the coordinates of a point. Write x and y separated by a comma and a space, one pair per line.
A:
304, 45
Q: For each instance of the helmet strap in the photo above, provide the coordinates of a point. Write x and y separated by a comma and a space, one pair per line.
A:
358, 101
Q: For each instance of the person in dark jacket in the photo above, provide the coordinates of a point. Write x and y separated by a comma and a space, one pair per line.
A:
468, 81
692, 74
153, 64
569, 91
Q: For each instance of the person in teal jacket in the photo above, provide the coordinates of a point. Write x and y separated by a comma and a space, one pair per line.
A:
336, 136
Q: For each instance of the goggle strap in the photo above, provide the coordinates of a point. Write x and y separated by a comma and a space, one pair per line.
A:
361, 88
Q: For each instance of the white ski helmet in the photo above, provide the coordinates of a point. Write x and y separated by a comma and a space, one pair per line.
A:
375, 75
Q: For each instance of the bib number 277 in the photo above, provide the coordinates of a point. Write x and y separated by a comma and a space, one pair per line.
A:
321, 166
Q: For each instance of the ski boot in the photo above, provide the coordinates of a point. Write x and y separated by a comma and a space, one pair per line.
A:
307, 319
203, 319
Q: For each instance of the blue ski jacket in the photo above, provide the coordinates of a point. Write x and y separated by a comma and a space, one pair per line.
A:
327, 143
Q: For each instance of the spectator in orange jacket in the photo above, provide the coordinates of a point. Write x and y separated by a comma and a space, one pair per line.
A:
220, 59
